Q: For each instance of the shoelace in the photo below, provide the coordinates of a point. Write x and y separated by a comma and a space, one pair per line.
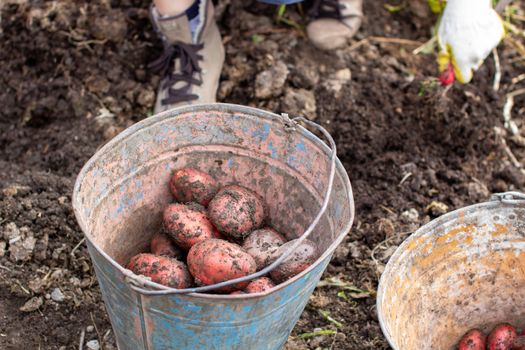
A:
189, 64
326, 9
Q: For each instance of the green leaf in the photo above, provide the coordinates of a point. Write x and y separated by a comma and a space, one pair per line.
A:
394, 8
326, 314
256, 39
317, 333
437, 6
349, 288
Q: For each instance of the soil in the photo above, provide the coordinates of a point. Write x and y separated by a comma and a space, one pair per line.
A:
74, 75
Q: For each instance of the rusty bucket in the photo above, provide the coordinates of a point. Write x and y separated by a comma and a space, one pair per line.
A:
463, 270
120, 194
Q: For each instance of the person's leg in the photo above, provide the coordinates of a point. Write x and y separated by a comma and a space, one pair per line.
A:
334, 23
172, 7
193, 52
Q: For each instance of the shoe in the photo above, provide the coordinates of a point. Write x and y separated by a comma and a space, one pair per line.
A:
191, 64
334, 22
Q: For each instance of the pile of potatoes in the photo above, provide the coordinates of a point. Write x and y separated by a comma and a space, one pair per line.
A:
503, 337
222, 234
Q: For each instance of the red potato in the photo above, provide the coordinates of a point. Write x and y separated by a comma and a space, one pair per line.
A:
501, 337
259, 285
519, 342
261, 244
162, 245
187, 224
167, 271
236, 211
191, 185
473, 340
304, 256
214, 260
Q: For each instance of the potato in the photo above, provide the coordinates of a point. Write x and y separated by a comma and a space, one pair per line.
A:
473, 340
501, 337
191, 185
304, 256
259, 285
187, 224
236, 211
167, 271
261, 244
162, 245
519, 342
214, 260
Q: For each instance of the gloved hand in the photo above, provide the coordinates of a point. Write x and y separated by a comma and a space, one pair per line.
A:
468, 31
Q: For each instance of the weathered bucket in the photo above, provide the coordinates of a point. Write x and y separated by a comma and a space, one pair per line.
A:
463, 270
120, 193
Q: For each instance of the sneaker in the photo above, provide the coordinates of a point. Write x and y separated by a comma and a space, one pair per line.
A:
191, 62
334, 22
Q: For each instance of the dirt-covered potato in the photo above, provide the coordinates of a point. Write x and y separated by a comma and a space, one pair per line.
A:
304, 256
261, 244
473, 340
501, 337
259, 285
191, 185
161, 244
214, 260
236, 211
187, 224
167, 271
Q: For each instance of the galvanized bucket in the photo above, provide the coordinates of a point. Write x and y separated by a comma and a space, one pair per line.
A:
121, 192
463, 270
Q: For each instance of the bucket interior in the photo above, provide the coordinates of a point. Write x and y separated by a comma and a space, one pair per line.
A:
122, 191
465, 270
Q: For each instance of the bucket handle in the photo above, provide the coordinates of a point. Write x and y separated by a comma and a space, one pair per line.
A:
511, 197
138, 283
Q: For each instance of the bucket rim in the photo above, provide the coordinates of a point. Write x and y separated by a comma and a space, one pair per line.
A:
426, 229
212, 107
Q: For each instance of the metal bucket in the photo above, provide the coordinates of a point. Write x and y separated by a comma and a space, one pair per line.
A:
120, 194
463, 270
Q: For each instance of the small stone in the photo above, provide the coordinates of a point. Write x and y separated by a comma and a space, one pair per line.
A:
343, 75
269, 83
355, 252
11, 231
57, 295
299, 102
90, 329
337, 80
21, 247
62, 199
409, 216
146, 98
32, 304
93, 345
436, 208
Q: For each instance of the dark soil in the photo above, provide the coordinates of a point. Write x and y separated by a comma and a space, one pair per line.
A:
74, 75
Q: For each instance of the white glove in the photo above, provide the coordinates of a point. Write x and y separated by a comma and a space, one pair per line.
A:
468, 31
